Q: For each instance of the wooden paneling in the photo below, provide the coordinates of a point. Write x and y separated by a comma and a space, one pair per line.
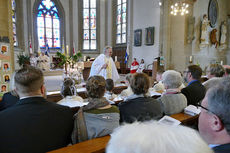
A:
120, 53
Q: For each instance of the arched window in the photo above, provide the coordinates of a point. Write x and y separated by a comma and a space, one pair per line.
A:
90, 25
48, 24
14, 22
121, 22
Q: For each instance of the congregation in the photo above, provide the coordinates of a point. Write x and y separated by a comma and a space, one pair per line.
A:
57, 125
115, 76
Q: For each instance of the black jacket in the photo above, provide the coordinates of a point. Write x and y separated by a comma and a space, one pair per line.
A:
8, 100
34, 125
140, 109
194, 93
225, 148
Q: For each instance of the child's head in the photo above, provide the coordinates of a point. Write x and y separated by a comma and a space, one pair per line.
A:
68, 87
128, 78
109, 84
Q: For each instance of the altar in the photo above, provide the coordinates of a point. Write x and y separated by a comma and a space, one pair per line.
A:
87, 67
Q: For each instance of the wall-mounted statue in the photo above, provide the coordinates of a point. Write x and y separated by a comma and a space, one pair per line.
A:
223, 35
204, 32
213, 37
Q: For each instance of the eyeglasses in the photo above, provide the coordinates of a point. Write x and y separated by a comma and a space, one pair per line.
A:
204, 108
210, 112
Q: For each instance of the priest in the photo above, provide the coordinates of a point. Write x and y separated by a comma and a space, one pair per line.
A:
105, 66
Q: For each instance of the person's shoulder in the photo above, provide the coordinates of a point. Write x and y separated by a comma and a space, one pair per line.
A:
225, 148
99, 57
151, 100
58, 107
114, 109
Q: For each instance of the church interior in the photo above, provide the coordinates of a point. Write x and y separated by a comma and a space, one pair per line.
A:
172, 34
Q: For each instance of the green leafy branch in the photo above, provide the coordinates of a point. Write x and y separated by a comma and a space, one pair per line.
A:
71, 60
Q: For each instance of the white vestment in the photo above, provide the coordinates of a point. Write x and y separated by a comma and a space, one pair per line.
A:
109, 73
141, 68
43, 62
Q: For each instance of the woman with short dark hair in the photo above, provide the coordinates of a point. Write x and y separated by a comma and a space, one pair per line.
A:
139, 107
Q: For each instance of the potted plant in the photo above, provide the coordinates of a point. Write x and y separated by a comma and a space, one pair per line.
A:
68, 60
23, 60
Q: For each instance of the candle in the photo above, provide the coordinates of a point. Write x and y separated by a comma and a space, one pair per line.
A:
115, 58
221, 62
84, 58
190, 59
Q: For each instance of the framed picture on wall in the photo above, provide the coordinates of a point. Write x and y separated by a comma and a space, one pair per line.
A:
149, 36
137, 37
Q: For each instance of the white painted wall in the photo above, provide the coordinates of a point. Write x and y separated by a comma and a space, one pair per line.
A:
146, 14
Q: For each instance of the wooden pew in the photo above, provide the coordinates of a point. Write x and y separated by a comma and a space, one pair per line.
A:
96, 145
186, 120
56, 96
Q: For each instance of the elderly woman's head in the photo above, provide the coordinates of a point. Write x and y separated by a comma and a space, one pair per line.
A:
95, 86
68, 87
215, 70
171, 79
140, 83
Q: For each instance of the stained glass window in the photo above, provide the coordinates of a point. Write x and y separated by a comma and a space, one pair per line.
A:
14, 22
48, 24
89, 25
121, 21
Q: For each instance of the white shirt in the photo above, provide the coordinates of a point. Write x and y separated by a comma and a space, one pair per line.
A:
72, 101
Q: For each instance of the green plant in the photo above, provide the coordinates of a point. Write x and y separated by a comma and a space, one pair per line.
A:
70, 60
23, 60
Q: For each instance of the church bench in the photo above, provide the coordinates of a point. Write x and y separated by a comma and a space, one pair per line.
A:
56, 96
186, 119
96, 145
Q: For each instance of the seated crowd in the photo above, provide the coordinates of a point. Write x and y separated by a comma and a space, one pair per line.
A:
29, 123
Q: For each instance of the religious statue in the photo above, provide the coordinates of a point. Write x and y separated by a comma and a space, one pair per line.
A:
43, 62
204, 32
213, 37
223, 33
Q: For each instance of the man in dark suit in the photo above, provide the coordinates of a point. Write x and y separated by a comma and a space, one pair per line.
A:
8, 100
34, 125
214, 120
195, 91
